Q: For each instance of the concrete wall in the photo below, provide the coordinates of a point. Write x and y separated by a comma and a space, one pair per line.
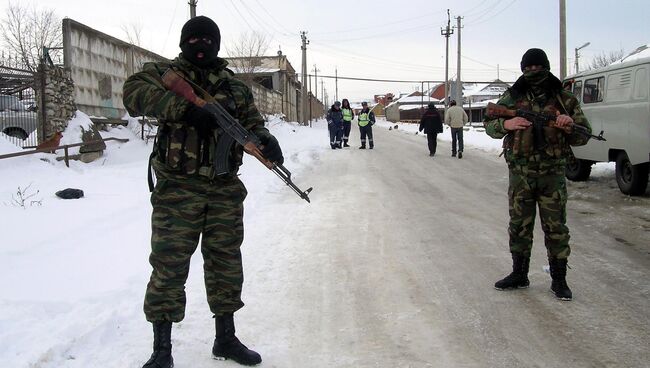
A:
268, 101
99, 64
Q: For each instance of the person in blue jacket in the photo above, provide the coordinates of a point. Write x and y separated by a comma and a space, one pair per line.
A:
335, 125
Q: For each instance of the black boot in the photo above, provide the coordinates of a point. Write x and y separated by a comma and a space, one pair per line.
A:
559, 286
372, 145
162, 346
227, 346
363, 146
345, 143
518, 279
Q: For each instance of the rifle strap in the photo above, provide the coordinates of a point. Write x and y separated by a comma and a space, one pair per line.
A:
557, 96
149, 169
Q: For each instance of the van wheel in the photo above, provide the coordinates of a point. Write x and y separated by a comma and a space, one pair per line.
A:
577, 169
632, 179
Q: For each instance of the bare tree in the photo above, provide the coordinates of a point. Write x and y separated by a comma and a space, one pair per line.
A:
604, 59
133, 32
244, 55
26, 31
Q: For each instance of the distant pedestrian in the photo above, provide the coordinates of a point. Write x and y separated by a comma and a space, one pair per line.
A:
335, 124
348, 115
456, 118
366, 121
431, 124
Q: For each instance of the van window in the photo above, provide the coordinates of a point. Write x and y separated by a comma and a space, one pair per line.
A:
641, 84
577, 90
619, 87
593, 90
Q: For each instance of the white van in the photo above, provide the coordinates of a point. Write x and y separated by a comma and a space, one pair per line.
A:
616, 100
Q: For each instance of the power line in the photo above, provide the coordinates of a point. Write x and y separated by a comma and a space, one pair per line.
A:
495, 14
375, 27
394, 80
259, 19
288, 32
418, 28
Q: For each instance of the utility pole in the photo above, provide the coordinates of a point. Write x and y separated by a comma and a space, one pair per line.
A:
447, 32
459, 83
336, 84
303, 106
322, 88
578, 55
316, 70
562, 39
192, 8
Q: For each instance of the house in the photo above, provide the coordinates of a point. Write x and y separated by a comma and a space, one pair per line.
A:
273, 73
384, 99
477, 95
409, 108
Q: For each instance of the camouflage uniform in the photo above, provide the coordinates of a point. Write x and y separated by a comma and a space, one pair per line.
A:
188, 199
537, 177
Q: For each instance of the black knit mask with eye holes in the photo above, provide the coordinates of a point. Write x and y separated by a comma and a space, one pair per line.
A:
207, 46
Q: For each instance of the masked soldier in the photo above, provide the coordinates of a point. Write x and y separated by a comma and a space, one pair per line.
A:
189, 200
537, 170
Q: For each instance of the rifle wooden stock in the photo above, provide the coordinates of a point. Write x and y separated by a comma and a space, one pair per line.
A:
252, 145
502, 111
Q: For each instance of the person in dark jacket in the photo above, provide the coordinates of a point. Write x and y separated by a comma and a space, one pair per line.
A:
348, 115
431, 123
335, 125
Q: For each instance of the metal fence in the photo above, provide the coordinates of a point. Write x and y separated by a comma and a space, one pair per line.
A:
18, 106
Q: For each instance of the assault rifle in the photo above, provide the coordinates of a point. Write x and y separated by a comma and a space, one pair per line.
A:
539, 120
234, 131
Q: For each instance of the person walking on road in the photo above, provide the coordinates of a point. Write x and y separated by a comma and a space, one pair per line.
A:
335, 124
348, 115
536, 171
366, 120
431, 124
190, 201
456, 118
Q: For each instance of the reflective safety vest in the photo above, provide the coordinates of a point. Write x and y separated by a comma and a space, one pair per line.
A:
364, 118
347, 115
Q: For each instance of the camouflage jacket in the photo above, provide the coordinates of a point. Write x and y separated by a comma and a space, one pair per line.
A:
180, 149
518, 145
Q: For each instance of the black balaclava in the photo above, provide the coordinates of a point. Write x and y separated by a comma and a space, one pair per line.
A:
200, 27
536, 79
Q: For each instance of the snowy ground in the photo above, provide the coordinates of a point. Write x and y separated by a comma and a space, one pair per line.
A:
73, 272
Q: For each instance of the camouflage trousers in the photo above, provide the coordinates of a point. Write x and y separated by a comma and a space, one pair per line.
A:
529, 189
183, 209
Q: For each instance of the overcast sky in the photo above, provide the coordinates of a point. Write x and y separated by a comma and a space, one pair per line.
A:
396, 40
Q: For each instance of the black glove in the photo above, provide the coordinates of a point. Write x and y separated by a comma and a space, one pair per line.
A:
272, 150
200, 119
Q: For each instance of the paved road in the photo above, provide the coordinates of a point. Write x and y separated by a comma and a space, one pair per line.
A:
397, 270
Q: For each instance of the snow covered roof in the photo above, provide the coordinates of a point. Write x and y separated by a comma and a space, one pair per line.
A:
414, 100
258, 70
483, 89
